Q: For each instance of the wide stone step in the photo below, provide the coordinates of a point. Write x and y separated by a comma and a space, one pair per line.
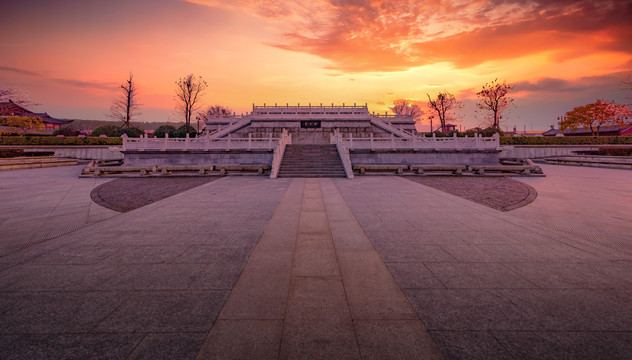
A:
311, 161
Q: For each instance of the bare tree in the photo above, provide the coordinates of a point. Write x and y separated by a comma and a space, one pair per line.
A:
126, 106
20, 97
212, 111
495, 99
188, 92
407, 107
443, 105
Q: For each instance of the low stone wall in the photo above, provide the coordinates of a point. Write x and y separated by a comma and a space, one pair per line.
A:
544, 151
428, 157
92, 152
197, 157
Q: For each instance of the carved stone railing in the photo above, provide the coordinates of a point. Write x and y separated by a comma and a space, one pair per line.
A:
199, 143
279, 151
423, 143
343, 152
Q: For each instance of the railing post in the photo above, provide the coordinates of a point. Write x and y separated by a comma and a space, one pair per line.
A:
124, 136
477, 141
144, 141
434, 141
270, 141
249, 141
207, 142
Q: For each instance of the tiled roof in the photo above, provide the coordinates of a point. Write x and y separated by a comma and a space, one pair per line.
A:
47, 119
583, 131
10, 108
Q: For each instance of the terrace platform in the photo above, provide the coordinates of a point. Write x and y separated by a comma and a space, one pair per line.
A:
375, 267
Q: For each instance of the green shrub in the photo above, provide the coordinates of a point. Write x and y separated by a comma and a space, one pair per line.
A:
67, 131
109, 131
9, 153
624, 151
565, 140
487, 132
51, 140
115, 131
183, 130
164, 129
132, 132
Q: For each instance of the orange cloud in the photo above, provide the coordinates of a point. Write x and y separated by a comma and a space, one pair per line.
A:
380, 35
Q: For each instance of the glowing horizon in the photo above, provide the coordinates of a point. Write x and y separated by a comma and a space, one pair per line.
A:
559, 54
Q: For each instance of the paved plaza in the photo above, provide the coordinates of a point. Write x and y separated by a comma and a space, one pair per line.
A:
246, 267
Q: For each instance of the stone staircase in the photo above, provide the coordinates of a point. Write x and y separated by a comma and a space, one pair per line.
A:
302, 160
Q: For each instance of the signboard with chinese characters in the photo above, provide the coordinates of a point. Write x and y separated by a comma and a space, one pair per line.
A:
310, 124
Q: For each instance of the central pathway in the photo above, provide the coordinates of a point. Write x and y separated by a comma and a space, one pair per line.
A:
315, 287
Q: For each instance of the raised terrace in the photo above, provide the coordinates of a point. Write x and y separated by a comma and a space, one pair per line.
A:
361, 139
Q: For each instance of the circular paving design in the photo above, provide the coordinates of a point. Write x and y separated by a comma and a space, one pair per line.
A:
126, 194
500, 193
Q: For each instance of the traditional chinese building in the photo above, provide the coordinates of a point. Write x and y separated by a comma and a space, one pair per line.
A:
10, 108
312, 124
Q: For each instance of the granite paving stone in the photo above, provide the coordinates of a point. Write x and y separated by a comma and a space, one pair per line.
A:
243, 339
395, 339
168, 346
57, 312
477, 275
153, 277
371, 267
63, 277
566, 345
71, 346
471, 345
165, 311
414, 276
218, 275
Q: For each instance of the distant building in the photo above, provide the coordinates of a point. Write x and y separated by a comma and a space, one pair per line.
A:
10, 108
614, 130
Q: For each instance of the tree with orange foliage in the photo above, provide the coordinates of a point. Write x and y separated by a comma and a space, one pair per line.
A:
595, 115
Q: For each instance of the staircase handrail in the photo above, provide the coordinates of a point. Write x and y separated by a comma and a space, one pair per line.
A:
343, 152
279, 152
230, 128
376, 120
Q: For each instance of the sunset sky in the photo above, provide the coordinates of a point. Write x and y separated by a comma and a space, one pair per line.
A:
71, 55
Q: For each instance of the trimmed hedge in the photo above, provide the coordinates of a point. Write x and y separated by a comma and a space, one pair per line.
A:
565, 140
49, 140
9, 153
